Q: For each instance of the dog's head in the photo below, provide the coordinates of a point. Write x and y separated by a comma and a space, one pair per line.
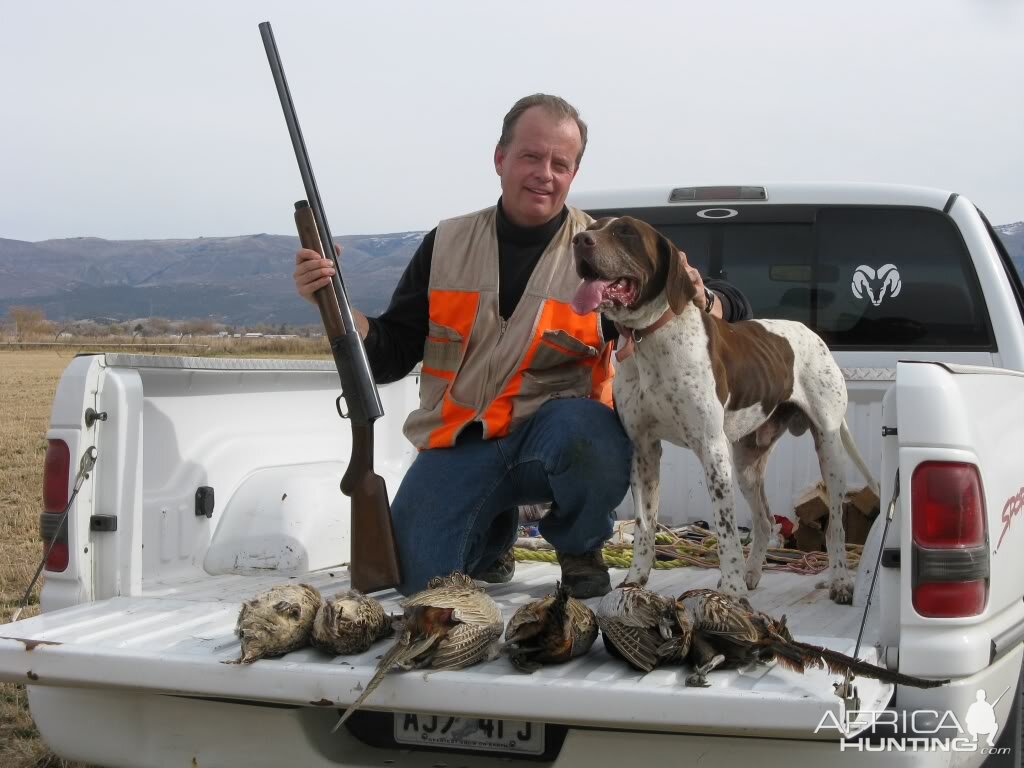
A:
628, 269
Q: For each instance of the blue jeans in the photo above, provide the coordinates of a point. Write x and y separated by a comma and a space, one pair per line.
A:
456, 507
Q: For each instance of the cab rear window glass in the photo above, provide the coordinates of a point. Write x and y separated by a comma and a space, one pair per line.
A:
860, 277
896, 278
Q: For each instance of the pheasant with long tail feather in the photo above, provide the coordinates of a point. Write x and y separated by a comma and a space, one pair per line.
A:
722, 631
449, 625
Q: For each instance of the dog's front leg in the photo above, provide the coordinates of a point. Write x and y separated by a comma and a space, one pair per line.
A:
718, 474
644, 478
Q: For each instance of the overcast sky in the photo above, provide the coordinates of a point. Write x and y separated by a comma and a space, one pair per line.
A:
146, 120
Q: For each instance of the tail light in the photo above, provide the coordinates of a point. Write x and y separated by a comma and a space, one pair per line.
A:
56, 477
950, 547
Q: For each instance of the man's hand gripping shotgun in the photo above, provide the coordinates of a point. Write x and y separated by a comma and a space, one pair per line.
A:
374, 559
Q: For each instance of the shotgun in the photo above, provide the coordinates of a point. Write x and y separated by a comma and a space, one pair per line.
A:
374, 559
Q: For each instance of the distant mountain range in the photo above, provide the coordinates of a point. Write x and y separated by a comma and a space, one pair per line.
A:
1012, 236
235, 280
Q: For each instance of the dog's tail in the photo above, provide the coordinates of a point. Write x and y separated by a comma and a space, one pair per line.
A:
851, 448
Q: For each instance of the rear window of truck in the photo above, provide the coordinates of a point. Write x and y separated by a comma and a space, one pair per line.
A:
861, 277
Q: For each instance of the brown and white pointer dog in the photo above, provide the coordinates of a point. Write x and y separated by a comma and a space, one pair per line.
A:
727, 391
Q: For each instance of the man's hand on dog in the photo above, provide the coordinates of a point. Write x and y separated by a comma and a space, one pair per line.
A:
701, 299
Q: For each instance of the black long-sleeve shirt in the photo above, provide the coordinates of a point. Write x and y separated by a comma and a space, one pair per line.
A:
395, 340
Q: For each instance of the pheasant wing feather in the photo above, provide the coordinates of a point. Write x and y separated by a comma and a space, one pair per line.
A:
468, 605
584, 626
717, 614
466, 644
638, 645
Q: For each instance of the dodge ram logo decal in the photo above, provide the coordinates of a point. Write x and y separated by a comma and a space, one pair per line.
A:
877, 285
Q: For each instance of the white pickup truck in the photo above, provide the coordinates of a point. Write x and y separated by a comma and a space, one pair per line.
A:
216, 478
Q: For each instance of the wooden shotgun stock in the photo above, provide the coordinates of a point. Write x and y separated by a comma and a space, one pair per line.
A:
374, 559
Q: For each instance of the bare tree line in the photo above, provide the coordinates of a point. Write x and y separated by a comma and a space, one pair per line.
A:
28, 323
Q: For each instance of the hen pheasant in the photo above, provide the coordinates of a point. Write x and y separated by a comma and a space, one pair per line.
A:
276, 621
350, 622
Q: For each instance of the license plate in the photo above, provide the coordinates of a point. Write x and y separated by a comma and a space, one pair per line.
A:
486, 734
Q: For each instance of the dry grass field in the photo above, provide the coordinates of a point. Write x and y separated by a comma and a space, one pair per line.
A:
28, 379
27, 383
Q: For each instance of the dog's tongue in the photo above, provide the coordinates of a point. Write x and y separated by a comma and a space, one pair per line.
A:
589, 295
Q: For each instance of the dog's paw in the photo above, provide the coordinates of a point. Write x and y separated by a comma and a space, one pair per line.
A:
841, 591
752, 578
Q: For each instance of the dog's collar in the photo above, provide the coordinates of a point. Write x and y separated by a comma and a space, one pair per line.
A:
634, 336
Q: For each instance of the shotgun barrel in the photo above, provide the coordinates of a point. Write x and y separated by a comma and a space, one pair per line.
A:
374, 558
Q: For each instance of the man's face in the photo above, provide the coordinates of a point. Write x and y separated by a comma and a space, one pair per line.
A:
537, 166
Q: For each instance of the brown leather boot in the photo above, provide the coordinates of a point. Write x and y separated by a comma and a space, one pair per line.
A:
501, 570
585, 575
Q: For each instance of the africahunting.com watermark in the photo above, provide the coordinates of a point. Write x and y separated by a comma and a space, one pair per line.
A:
923, 730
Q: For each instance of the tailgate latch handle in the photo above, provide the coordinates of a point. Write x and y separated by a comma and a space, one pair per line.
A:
204, 501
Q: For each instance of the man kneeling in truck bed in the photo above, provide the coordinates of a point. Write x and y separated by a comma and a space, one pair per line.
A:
515, 390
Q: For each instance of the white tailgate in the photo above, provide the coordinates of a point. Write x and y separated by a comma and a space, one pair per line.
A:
174, 639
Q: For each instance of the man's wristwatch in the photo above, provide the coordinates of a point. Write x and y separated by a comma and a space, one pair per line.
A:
709, 299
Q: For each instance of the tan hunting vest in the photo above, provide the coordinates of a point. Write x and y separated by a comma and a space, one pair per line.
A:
479, 367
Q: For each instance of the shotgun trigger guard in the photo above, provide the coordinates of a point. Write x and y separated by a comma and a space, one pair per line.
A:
337, 404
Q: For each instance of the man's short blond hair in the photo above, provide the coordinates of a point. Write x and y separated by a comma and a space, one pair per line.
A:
556, 106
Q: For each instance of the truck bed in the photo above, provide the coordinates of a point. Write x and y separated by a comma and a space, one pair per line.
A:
173, 638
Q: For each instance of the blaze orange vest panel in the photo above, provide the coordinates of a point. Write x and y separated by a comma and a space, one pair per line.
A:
480, 367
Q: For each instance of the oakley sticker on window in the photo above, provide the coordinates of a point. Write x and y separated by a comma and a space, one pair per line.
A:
877, 285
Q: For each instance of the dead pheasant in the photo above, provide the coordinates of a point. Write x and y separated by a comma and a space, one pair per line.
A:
638, 625
350, 622
276, 621
449, 625
721, 631
551, 630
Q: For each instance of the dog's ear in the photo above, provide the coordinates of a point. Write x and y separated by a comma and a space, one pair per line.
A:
679, 288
